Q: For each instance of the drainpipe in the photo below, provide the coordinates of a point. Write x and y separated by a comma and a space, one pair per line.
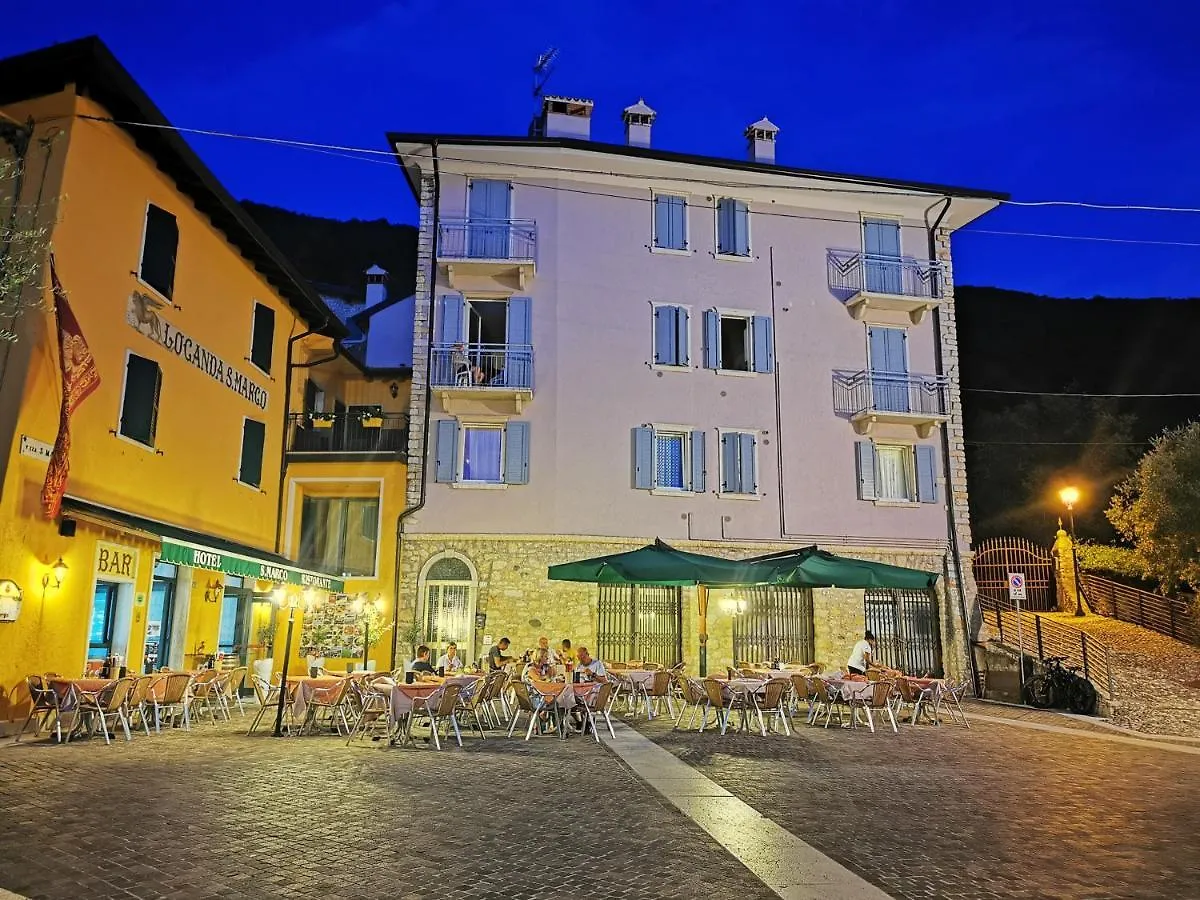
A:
951, 530
412, 510
778, 403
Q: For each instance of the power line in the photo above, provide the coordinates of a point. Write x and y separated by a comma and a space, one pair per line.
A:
1082, 394
1056, 443
1081, 237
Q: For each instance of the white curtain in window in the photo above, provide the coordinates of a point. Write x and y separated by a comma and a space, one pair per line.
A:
891, 472
481, 454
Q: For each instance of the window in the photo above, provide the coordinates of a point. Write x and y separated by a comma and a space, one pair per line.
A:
139, 400
733, 227
104, 607
496, 335
739, 463
881, 246
262, 340
339, 534
482, 453
668, 458
254, 434
160, 244
670, 222
896, 473
671, 336
738, 342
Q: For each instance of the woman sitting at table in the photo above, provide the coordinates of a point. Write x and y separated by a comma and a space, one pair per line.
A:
539, 667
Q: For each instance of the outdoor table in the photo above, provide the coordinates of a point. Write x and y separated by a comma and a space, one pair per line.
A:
852, 690
404, 698
562, 697
68, 691
303, 689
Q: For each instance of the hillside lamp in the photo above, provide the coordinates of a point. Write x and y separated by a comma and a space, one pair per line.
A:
1070, 496
364, 608
291, 601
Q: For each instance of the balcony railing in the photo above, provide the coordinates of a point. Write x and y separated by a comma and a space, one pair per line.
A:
868, 397
347, 433
852, 272
513, 240
482, 367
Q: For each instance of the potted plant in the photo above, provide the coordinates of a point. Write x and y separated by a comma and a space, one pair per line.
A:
411, 635
321, 419
318, 645
265, 667
371, 418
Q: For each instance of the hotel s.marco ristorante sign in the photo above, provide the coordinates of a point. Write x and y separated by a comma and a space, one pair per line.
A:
232, 564
142, 314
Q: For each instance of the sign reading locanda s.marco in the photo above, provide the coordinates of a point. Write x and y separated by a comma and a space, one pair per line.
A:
142, 314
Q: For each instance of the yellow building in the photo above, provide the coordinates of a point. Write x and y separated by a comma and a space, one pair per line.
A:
189, 500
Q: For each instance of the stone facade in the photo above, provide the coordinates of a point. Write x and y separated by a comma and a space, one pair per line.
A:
422, 329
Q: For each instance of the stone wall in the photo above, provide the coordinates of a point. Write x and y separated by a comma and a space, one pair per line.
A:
422, 329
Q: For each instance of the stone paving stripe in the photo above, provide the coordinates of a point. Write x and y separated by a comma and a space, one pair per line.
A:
787, 865
9, 895
1080, 732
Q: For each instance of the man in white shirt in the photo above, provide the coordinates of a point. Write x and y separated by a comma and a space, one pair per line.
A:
450, 663
588, 668
862, 657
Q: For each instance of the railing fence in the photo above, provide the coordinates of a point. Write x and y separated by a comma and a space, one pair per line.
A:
1172, 617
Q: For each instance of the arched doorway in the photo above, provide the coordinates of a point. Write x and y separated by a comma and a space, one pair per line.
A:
449, 592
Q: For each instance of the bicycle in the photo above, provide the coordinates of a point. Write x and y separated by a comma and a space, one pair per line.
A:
1060, 686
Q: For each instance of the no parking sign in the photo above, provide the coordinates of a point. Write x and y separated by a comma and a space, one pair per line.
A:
1016, 585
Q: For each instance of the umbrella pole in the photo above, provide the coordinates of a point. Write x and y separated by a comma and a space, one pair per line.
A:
702, 594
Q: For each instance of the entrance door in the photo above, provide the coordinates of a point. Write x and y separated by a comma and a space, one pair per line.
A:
160, 617
905, 624
488, 214
448, 616
235, 616
104, 611
640, 622
881, 244
889, 368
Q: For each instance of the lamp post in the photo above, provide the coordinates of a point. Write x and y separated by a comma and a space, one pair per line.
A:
282, 598
1070, 496
365, 608
735, 607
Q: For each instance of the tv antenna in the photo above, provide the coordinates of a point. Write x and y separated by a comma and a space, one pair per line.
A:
543, 69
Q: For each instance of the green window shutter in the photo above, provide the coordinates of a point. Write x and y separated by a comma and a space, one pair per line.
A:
159, 248
139, 405
254, 435
262, 340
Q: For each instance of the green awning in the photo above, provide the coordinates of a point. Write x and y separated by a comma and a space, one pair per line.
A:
217, 560
812, 567
656, 563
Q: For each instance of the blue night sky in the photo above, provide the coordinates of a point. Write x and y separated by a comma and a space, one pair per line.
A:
1046, 100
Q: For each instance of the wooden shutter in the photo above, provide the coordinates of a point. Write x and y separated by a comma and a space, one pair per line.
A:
764, 344
712, 339
726, 241
698, 472
729, 463
643, 458
450, 320
139, 406
516, 453
927, 491
254, 435
747, 476
662, 224
741, 228
159, 249
678, 206
664, 335
520, 325
262, 339
446, 451
682, 337
865, 460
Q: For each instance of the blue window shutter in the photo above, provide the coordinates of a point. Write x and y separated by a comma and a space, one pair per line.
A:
726, 242
747, 477
662, 222
446, 450
764, 344
712, 339
665, 336
450, 320
881, 237
927, 491
698, 462
489, 199
682, 354
865, 459
879, 345
741, 228
643, 458
520, 325
679, 222
730, 472
516, 453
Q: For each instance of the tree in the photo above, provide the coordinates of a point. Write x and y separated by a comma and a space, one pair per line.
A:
23, 241
1157, 508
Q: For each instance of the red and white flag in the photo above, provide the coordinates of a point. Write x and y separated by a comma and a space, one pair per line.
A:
79, 378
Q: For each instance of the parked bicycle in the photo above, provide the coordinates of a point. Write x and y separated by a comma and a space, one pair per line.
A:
1060, 686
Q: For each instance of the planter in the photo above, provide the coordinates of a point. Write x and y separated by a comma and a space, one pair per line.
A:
322, 423
264, 668
372, 421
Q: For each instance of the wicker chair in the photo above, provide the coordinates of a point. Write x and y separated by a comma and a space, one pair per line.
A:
802, 692
917, 699
949, 697
470, 699
724, 704
328, 703
441, 708
533, 704
827, 701
43, 704
372, 707
174, 699
232, 692
268, 699
773, 700
206, 690
108, 705
139, 700
596, 704
878, 698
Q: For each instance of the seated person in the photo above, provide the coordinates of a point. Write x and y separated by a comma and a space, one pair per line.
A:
539, 666
463, 369
566, 654
421, 665
450, 663
590, 669
544, 647
496, 657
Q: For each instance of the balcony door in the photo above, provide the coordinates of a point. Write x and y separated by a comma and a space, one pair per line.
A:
489, 208
881, 244
888, 357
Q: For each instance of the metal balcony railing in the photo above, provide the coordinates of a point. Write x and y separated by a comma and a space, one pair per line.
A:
488, 239
852, 272
865, 392
482, 366
350, 432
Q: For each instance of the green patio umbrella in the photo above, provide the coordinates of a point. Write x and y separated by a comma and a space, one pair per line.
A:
659, 564
812, 567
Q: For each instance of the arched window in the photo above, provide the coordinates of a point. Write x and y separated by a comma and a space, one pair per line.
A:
450, 589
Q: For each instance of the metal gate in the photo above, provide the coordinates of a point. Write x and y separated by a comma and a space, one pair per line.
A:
905, 625
641, 622
995, 558
776, 625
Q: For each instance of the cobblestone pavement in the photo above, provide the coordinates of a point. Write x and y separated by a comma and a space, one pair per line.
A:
999, 811
214, 813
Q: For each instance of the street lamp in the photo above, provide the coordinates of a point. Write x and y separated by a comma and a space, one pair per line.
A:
1070, 496
291, 601
735, 607
366, 608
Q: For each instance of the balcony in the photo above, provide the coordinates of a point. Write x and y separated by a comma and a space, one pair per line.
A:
864, 281
347, 436
866, 398
488, 247
482, 378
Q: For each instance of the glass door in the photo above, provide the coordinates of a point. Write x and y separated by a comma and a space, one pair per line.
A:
104, 607
160, 617
235, 614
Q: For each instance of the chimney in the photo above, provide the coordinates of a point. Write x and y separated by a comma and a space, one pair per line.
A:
760, 141
638, 119
376, 285
566, 117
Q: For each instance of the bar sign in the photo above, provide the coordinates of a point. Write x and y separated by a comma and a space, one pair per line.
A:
35, 449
